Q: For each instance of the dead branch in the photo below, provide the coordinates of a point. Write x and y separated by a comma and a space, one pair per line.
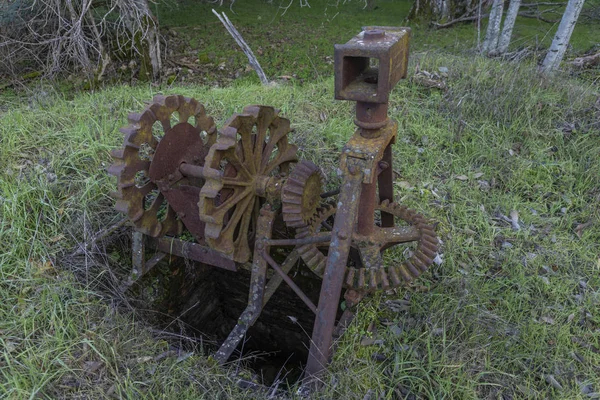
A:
474, 17
245, 48
84, 247
456, 21
538, 17
59, 36
587, 61
542, 4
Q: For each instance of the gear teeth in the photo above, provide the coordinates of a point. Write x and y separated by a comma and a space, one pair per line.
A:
118, 154
411, 268
134, 118
430, 240
320, 268
131, 145
122, 206
128, 130
361, 279
298, 209
376, 276
373, 278
302, 233
129, 161
251, 144
404, 271
393, 274
350, 273
383, 279
424, 259
116, 169
427, 252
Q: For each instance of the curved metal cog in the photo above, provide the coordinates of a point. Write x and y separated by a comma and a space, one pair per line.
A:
301, 194
246, 162
373, 274
137, 193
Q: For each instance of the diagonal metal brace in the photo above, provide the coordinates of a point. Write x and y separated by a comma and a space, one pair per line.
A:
331, 288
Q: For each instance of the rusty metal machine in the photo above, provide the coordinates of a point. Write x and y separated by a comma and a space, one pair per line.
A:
229, 187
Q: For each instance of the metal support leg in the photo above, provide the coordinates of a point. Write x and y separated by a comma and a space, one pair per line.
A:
386, 188
257, 288
138, 250
331, 288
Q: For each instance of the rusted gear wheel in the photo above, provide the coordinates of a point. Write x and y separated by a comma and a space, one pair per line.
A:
301, 194
137, 195
372, 274
248, 161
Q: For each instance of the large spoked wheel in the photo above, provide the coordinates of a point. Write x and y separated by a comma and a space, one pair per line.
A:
247, 162
137, 194
366, 270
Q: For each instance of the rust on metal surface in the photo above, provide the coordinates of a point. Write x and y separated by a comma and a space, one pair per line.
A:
333, 276
251, 153
137, 194
257, 287
356, 78
192, 251
242, 194
301, 194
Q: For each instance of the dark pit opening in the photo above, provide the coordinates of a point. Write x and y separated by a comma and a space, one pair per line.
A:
210, 300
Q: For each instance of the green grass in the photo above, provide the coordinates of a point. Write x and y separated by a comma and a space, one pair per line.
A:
299, 43
505, 310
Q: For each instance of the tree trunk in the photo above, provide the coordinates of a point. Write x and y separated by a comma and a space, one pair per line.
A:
493, 29
145, 36
509, 23
437, 10
562, 37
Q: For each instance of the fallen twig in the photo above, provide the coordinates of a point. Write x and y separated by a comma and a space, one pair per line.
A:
587, 61
83, 247
245, 48
461, 19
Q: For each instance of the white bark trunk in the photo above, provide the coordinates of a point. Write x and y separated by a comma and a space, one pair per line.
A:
509, 23
562, 37
493, 30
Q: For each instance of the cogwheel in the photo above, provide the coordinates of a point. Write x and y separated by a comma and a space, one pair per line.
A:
137, 193
301, 194
372, 274
247, 162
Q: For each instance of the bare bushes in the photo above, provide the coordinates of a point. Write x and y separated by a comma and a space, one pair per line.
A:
81, 36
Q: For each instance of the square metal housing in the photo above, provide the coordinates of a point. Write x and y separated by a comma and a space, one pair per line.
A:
356, 79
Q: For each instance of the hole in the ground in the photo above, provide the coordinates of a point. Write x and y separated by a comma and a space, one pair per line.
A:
210, 300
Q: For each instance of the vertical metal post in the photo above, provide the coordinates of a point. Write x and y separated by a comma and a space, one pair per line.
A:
138, 250
386, 185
